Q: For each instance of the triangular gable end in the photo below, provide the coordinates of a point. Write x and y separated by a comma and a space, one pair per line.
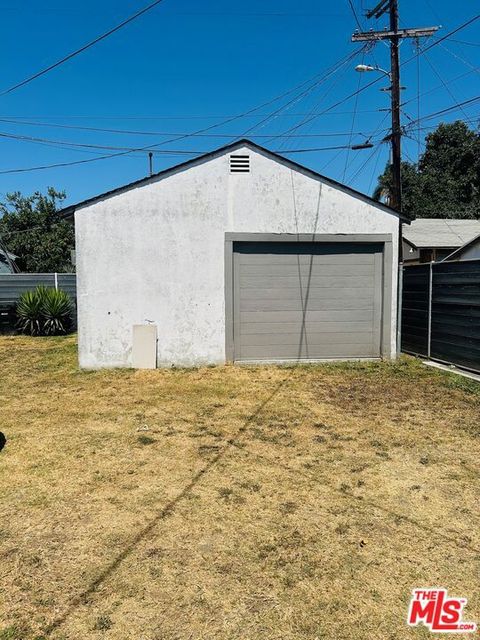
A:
207, 157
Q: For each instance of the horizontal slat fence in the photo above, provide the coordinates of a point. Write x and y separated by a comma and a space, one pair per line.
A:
455, 332
12, 285
441, 312
415, 309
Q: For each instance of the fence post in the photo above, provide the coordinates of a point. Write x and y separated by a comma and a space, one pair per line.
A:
400, 308
430, 287
55, 275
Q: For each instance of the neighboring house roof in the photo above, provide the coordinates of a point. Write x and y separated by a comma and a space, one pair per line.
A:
4, 263
68, 211
440, 233
458, 252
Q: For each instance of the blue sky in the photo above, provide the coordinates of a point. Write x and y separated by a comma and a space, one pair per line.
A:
190, 64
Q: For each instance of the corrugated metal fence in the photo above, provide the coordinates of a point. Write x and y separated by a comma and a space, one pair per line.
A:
12, 285
441, 312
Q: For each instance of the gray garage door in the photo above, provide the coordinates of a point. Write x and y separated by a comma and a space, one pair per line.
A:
307, 300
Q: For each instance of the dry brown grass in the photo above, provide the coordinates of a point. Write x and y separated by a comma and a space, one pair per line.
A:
231, 503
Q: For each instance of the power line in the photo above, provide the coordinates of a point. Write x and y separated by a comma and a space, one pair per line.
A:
376, 80
383, 139
440, 86
234, 118
137, 132
290, 131
164, 117
314, 109
367, 161
451, 33
66, 143
193, 153
126, 148
374, 173
455, 107
174, 139
355, 15
342, 101
470, 44
447, 88
355, 105
465, 62
90, 44
324, 77
433, 44
417, 49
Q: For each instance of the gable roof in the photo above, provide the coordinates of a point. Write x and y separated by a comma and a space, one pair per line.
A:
458, 252
440, 233
69, 210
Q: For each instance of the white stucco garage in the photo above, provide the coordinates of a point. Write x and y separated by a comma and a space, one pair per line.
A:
237, 255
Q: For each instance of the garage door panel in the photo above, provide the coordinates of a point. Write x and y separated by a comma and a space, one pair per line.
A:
307, 300
329, 315
306, 270
320, 259
293, 327
310, 304
295, 293
307, 338
294, 282
292, 352
306, 248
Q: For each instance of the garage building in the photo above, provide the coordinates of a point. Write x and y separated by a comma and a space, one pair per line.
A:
239, 255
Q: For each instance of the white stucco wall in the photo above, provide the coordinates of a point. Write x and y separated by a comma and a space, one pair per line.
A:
156, 252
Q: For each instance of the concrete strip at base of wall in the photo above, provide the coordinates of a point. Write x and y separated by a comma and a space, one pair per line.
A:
453, 369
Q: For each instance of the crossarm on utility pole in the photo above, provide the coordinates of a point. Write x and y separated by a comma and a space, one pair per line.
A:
368, 36
394, 34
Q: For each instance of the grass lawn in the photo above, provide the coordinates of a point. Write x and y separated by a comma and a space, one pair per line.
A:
249, 503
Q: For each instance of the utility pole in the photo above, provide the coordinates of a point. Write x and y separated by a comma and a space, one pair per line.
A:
394, 34
395, 98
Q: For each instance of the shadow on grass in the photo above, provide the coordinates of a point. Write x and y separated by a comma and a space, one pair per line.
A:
164, 513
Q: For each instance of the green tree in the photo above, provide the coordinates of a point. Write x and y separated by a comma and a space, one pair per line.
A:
32, 228
445, 183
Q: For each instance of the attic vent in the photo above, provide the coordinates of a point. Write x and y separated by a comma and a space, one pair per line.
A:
239, 163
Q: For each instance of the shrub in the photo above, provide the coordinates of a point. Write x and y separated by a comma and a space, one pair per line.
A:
44, 311
57, 312
29, 311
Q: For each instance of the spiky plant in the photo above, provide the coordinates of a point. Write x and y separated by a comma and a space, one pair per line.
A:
57, 312
30, 311
44, 311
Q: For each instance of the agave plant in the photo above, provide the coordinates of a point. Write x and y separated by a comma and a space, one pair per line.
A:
57, 312
44, 311
30, 311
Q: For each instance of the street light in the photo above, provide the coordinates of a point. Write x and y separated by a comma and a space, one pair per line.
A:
366, 67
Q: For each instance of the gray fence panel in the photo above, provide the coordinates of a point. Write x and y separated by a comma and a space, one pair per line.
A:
415, 309
456, 313
12, 285
441, 319
68, 282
